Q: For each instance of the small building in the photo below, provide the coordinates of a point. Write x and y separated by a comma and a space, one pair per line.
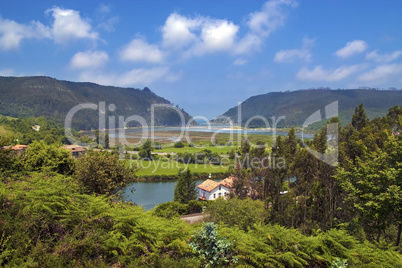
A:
76, 150
211, 190
19, 148
36, 127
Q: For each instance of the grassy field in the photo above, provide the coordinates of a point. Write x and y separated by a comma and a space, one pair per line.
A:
171, 168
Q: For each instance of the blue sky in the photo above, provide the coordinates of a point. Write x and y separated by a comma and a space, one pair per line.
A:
206, 56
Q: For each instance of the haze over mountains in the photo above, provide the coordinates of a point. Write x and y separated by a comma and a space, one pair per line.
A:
297, 106
45, 96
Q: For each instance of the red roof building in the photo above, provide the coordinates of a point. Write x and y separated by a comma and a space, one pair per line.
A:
211, 190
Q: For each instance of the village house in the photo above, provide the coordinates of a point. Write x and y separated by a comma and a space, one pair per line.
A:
211, 190
76, 150
19, 148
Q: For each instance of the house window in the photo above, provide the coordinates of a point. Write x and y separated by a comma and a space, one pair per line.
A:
214, 196
219, 187
220, 194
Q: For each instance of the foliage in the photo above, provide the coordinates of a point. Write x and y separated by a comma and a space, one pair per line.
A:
178, 144
211, 249
23, 132
185, 189
359, 119
236, 212
102, 173
47, 222
173, 209
42, 157
170, 209
374, 186
146, 149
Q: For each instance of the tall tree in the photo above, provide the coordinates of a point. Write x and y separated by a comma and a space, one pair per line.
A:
359, 119
185, 190
374, 184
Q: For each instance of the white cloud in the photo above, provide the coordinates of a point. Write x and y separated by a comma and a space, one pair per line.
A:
319, 74
201, 35
177, 31
89, 59
216, 35
271, 16
249, 44
109, 24
383, 57
240, 62
352, 48
102, 8
291, 55
139, 50
382, 74
7, 72
262, 23
134, 77
12, 33
69, 25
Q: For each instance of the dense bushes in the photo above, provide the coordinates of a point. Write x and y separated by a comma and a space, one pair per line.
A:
47, 221
236, 212
173, 209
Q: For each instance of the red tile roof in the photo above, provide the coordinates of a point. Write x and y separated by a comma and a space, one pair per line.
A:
228, 182
19, 147
208, 185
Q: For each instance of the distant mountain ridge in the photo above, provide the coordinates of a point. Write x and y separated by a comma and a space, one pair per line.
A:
298, 105
52, 98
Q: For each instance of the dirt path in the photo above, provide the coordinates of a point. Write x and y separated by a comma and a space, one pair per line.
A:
194, 218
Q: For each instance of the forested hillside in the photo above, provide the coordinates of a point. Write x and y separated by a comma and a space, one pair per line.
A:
45, 96
297, 106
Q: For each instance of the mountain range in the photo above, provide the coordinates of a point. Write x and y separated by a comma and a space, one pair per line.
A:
52, 98
297, 106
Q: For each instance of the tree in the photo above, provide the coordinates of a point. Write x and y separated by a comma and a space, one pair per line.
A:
178, 144
146, 150
185, 190
374, 184
42, 157
102, 173
359, 119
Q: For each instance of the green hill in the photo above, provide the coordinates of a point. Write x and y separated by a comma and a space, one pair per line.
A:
297, 106
52, 98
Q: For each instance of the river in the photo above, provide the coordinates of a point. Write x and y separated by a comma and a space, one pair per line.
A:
149, 194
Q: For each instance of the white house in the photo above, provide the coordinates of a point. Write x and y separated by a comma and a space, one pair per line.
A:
211, 190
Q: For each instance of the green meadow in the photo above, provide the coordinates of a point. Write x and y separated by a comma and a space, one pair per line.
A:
172, 168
